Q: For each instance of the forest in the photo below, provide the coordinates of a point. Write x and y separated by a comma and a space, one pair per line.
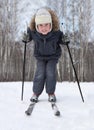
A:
77, 17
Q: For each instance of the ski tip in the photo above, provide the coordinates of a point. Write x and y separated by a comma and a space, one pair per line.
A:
27, 113
57, 113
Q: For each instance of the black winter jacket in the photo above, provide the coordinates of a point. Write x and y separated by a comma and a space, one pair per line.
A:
46, 46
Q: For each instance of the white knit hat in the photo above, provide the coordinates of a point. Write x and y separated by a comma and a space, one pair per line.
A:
43, 16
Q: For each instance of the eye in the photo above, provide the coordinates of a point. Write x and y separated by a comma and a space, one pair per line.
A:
40, 25
46, 24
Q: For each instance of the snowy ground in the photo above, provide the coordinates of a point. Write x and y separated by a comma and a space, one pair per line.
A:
75, 115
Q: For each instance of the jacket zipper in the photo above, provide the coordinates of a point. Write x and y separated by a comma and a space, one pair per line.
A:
44, 44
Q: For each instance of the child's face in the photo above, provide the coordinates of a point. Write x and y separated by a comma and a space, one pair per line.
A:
44, 28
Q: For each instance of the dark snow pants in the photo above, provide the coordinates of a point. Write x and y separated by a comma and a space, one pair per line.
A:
45, 75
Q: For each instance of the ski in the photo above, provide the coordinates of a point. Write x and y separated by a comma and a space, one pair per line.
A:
30, 108
53, 105
55, 109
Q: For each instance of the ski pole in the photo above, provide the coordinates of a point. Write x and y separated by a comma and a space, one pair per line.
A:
23, 78
75, 72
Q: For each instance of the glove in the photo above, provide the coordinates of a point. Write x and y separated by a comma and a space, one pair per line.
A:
25, 37
65, 39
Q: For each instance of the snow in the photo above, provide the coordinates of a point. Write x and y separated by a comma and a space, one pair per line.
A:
75, 115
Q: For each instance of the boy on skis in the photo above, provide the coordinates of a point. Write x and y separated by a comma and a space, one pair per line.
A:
44, 31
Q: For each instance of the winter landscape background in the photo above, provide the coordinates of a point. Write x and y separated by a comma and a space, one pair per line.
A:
77, 16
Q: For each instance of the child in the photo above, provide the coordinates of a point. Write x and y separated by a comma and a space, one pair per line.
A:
44, 30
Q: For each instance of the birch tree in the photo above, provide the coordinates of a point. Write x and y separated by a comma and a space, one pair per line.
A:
7, 38
84, 30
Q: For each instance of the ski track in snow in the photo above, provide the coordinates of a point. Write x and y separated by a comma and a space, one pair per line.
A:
75, 115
